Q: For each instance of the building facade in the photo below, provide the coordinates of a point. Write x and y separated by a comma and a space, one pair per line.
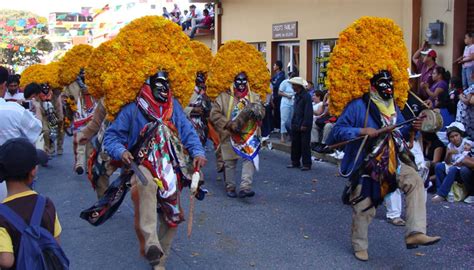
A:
302, 33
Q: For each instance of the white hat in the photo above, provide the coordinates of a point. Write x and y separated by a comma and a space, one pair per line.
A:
298, 81
412, 75
455, 126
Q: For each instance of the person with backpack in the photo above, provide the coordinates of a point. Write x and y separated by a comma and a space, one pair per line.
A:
29, 224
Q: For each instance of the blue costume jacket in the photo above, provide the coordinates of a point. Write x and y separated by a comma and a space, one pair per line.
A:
125, 130
348, 127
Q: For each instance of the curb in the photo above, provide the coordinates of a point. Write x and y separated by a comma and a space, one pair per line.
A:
285, 147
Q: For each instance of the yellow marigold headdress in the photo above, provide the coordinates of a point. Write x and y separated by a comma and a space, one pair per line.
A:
204, 55
72, 62
104, 60
146, 45
232, 58
41, 74
366, 47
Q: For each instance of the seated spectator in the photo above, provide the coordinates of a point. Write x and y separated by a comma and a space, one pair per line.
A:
465, 110
176, 9
186, 20
455, 91
467, 178
176, 17
449, 171
13, 89
165, 13
325, 123
18, 166
438, 91
206, 23
318, 110
210, 8
433, 151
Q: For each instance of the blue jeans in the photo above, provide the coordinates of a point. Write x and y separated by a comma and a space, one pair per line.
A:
445, 181
467, 177
466, 76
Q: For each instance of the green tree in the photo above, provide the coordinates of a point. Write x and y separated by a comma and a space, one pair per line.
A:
44, 45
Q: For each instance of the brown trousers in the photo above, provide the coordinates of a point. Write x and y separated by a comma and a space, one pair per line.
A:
412, 185
146, 217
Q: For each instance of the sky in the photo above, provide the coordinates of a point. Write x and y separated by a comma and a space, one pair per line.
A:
44, 7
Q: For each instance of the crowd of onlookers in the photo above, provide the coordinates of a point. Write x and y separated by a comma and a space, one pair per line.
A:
447, 161
192, 19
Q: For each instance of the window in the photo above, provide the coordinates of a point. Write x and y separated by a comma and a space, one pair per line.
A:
321, 51
261, 47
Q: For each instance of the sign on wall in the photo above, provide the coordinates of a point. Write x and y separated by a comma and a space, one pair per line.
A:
285, 30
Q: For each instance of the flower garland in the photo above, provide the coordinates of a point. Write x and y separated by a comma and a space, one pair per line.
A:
204, 55
72, 62
363, 49
143, 47
232, 58
39, 73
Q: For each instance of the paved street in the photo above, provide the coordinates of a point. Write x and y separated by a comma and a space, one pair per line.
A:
296, 221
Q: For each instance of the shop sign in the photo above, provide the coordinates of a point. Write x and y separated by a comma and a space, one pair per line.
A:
285, 30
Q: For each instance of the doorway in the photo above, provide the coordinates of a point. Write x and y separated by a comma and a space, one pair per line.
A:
289, 55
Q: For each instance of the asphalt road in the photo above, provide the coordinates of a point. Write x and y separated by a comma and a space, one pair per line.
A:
295, 221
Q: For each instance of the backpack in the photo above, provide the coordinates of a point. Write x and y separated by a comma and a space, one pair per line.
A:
38, 248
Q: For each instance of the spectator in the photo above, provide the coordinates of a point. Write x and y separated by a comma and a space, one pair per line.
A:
467, 177
277, 79
325, 123
166, 13
301, 124
31, 93
311, 88
286, 94
18, 166
454, 92
210, 7
13, 93
318, 109
467, 61
449, 171
465, 110
425, 60
186, 20
205, 23
438, 91
434, 152
439, 95
176, 17
176, 9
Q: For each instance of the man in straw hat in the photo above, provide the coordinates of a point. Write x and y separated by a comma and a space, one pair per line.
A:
301, 124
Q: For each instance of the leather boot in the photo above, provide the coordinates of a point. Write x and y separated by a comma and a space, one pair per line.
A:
362, 255
413, 240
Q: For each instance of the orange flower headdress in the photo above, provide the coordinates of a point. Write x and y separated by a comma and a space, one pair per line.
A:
204, 55
72, 62
366, 47
41, 74
232, 58
141, 48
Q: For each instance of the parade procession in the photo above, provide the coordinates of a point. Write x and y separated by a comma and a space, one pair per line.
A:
138, 136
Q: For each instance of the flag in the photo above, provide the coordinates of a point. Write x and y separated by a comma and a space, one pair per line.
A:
85, 11
130, 5
117, 7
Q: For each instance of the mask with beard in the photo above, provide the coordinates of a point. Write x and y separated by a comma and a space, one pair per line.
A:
383, 83
240, 82
159, 85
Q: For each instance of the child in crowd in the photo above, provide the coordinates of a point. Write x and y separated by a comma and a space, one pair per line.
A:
18, 165
446, 173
